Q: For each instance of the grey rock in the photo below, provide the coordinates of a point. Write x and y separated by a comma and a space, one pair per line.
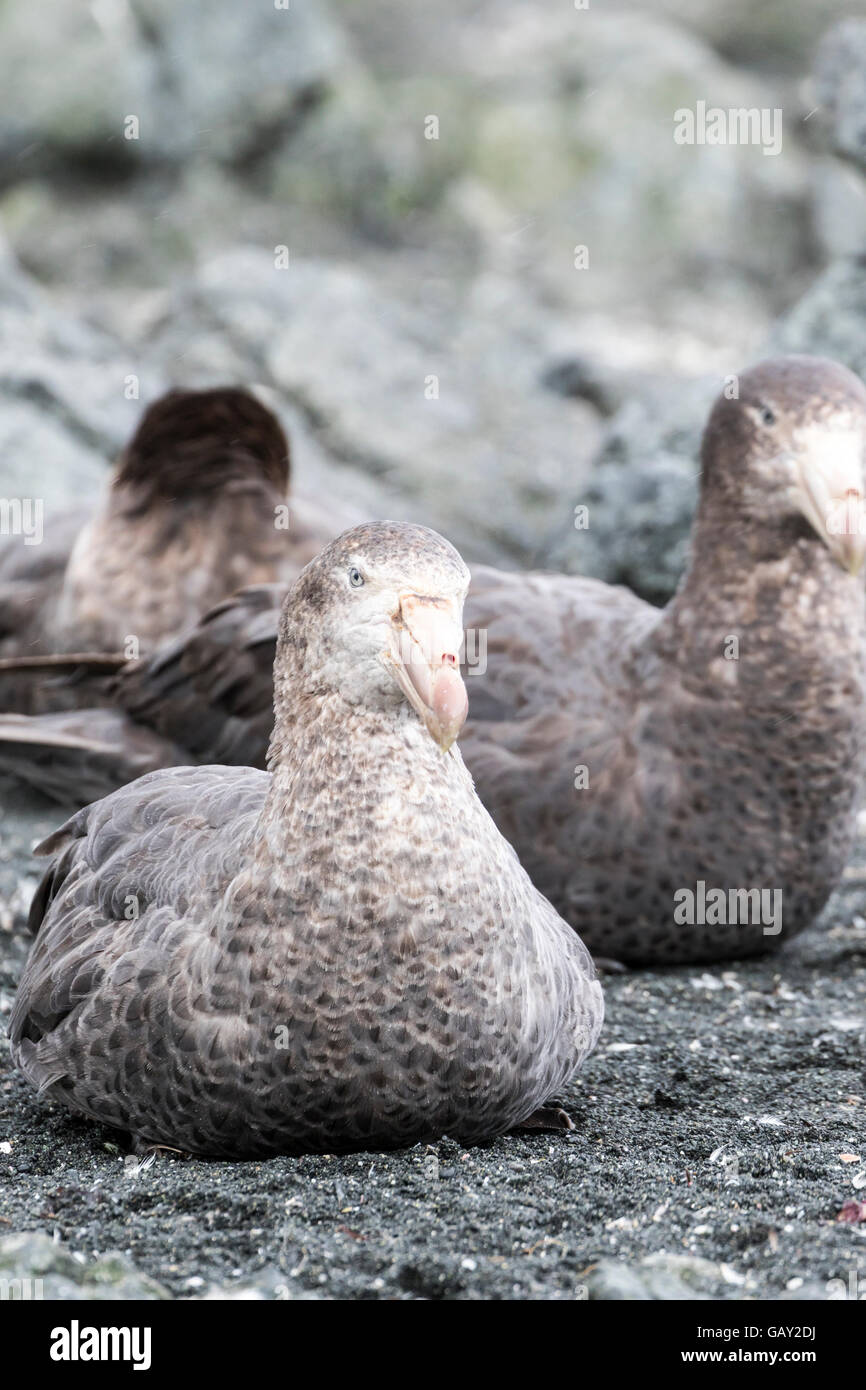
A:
564, 120
65, 409
840, 87
232, 78
24, 821
659, 1276
585, 379
266, 1285
35, 1267
772, 36
207, 76
615, 1280
641, 493
489, 461
69, 84
830, 318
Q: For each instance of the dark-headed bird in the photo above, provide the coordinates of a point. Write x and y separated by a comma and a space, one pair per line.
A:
338, 953
196, 508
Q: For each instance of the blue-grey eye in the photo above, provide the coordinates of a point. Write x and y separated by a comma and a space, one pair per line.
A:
356, 578
767, 416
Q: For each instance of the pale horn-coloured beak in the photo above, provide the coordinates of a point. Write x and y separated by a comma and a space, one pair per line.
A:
426, 637
830, 491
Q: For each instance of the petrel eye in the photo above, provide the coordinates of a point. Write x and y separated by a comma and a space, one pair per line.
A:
356, 578
767, 416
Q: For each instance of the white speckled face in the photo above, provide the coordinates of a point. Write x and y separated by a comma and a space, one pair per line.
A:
389, 625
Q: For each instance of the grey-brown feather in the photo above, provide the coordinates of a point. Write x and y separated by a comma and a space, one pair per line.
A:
196, 509
743, 773
205, 696
358, 897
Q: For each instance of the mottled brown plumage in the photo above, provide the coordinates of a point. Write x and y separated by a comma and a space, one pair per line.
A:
340, 953
624, 750
629, 755
204, 697
196, 509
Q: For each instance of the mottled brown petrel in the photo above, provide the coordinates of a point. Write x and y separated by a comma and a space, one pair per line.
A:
651, 766
193, 512
339, 953
683, 784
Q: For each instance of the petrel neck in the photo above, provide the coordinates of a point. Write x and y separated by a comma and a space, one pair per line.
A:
773, 587
348, 784
165, 497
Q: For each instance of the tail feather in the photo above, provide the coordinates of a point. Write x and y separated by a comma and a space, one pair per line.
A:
45, 684
80, 755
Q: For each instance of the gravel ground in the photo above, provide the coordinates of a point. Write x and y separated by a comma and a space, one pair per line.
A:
715, 1129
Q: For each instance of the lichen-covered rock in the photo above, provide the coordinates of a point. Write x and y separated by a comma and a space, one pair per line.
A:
774, 34
151, 81
613, 1280
564, 117
35, 1267
840, 87
440, 413
830, 319
234, 78
68, 84
584, 145
64, 404
640, 494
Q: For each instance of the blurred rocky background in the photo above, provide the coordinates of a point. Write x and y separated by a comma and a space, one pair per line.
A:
197, 192
373, 212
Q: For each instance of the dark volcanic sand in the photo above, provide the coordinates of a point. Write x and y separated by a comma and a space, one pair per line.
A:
705, 1162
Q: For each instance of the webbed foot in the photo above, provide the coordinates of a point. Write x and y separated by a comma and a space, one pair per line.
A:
606, 965
547, 1118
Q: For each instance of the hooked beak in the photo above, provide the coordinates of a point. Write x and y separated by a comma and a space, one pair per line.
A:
426, 635
829, 490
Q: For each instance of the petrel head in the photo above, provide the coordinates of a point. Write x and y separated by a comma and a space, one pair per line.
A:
379, 617
198, 443
787, 442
